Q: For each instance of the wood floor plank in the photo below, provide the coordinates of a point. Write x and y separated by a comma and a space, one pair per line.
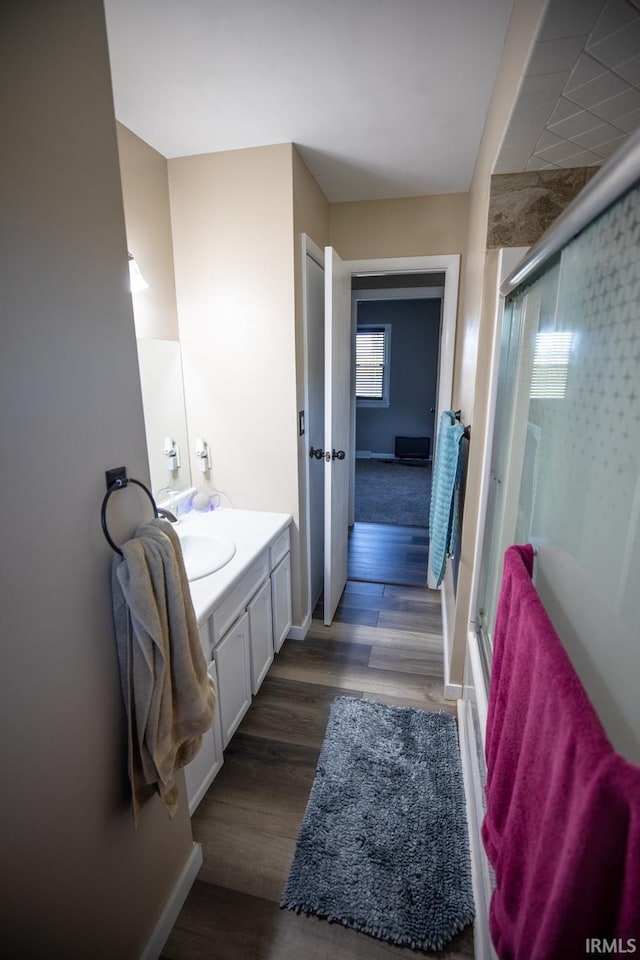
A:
326, 651
361, 586
366, 601
291, 711
448, 706
410, 552
349, 614
391, 575
221, 924
427, 689
386, 531
378, 635
247, 859
413, 593
262, 775
409, 621
387, 554
406, 660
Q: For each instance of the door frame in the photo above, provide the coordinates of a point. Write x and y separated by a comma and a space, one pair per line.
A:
361, 296
312, 250
449, 265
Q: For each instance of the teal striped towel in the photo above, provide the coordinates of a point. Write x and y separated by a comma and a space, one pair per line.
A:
446, 477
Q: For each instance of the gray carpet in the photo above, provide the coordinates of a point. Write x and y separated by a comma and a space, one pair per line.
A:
392, 492
383, 845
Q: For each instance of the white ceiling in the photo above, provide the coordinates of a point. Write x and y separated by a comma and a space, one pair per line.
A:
384, 98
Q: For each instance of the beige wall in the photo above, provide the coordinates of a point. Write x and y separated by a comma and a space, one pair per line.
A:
407, 227
475, 317
145, 193
145, 196
310, 216
77, 879
232, 217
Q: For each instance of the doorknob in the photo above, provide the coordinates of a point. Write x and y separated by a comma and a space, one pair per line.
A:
316, 453
340, 455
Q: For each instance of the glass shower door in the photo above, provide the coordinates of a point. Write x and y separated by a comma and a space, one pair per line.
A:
515, 448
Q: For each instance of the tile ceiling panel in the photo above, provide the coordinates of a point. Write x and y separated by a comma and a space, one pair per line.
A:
584, 74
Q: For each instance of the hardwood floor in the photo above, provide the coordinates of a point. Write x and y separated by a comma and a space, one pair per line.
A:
385, 644
384, 553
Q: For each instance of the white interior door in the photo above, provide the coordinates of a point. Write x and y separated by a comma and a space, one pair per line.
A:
315, 423
337, 423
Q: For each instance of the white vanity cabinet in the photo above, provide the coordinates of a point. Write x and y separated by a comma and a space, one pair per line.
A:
260, 635
200, 773
281, 601
243, 623
231, 657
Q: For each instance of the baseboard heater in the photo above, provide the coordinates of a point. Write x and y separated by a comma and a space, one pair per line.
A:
413, 448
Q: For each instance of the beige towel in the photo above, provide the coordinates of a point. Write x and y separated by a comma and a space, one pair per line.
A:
168, 694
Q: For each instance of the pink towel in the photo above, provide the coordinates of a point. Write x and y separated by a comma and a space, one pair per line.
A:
562, 829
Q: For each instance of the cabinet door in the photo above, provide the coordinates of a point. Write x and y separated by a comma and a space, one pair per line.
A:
200, 773
232, 660
260, 635
281, 601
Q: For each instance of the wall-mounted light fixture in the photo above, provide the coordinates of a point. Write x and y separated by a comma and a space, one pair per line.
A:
203, 455
136, 280
171, 454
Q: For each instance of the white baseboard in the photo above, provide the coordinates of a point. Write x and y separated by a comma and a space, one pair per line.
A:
299, 633
480, 877
369, 455
173, 906
452, 691
479, 685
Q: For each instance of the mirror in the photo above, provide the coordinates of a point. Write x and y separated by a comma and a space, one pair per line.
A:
160, 363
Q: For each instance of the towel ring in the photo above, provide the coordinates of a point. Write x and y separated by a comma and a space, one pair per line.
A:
119, 484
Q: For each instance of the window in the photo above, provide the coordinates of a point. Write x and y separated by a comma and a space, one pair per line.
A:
372, 365
550, 365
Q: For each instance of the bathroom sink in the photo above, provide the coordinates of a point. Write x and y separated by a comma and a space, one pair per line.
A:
204, 554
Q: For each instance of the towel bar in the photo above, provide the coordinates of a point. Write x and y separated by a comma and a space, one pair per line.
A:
467, 429
117, 479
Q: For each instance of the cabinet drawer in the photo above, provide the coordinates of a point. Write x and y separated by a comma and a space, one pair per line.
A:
237, 601
279, 549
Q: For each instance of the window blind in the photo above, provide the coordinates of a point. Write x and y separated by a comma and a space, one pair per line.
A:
550, 365
370, 361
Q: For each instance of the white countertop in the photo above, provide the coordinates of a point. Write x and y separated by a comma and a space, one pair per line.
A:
252, 531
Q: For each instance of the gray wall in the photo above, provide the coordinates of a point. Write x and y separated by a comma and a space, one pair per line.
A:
415, 338
77, 879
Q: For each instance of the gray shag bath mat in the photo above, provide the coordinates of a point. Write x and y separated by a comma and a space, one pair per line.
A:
383, 846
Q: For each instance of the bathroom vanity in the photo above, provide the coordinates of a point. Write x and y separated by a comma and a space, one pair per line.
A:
243, 611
